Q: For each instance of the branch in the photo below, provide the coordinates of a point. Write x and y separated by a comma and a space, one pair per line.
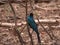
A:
13, 1
28, 25
43, 21
20, 24
15, 22
44, 28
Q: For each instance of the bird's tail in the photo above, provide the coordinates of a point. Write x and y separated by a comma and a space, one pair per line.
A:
39, 40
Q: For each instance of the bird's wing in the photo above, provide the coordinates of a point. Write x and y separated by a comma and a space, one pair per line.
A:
32, 23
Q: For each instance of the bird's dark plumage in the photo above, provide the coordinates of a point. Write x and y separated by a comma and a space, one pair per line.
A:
33, 25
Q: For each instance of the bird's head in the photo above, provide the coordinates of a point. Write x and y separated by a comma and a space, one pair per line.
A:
31, 14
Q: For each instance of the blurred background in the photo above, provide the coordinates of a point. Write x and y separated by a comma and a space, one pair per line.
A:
46, 11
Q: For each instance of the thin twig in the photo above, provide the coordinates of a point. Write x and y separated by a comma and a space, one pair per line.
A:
28, 26
22, 29
52, 33
15, 28
18, 2
44, 29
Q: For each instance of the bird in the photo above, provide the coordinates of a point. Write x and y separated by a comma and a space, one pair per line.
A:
33, 25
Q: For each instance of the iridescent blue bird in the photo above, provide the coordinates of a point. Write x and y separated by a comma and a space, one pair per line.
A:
33, 25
